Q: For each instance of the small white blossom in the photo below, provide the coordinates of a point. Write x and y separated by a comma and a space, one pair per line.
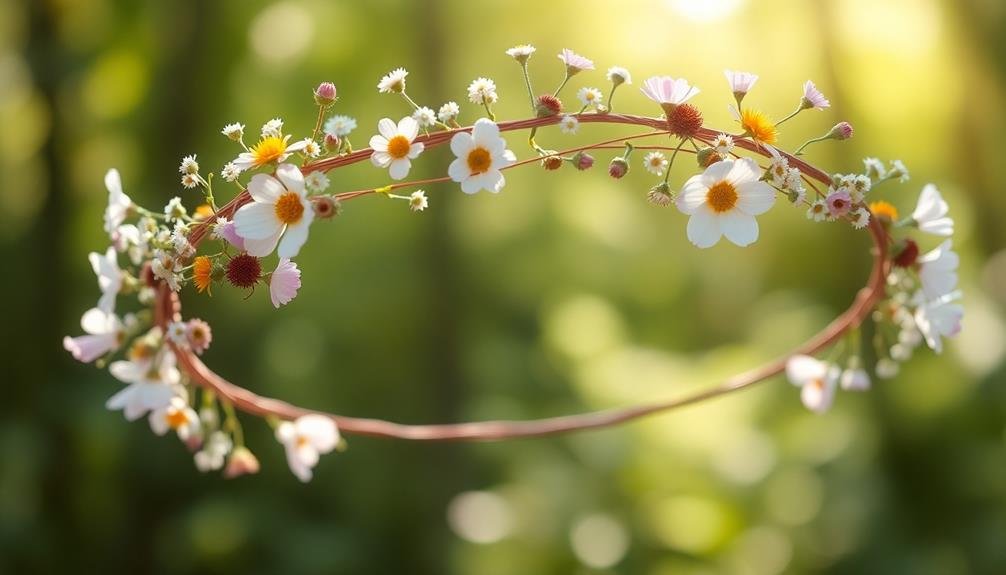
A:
655, 163
482, 91
569, 124
317, 181
234, 131
875, 168
818, 211
418, 201
521, 53
448, 112
425, 117
305, 440
590, 97
339, 126
211, 457
930, 213
189, 165
723, 144
177, 416
816, 380
230, 172
619, 75
861, 218
174, 210
393, 81
190, 181
273, 128
311, 148
898, 170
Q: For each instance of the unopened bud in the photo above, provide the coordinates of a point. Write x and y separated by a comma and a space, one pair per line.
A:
241, 462
583, 161
332, 142
618, 167
707, 157
325, 94
660, 194
841, 131
326, 207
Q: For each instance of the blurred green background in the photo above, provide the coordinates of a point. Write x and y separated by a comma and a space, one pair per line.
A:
564, 293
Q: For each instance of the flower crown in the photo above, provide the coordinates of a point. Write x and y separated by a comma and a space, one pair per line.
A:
282, 189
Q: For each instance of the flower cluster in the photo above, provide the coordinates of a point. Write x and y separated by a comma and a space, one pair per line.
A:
282, 189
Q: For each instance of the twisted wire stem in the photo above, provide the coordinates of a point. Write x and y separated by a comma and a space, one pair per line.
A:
168, 309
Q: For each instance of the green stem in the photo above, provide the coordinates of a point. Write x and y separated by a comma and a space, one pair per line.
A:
530, 91
797, 111
562, 85
674, 154
485, 104
232, 424
799, 150
611, 96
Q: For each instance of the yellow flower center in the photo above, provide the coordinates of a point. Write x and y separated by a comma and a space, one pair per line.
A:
289, 209
479, 160
301, 441
269, 149
176, 418
758, 126
398, 147
722, 197
884, 210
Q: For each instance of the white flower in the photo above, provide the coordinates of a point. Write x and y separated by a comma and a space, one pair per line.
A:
190, 181
875, 169
317, 181
569, 124
931, 213
860, 218
189, 165
118, 202
887, 368
305, 440
394, 148
813, 98
480, 157
178, 333
855, 379
938, 319
667, 90
818, 211
418, 201
425, 117
230, 172
794, 181
589, 97
740, 82
938, 271
211, 457
900, 352
310, 148
448, 112
151, 385
574, 62
724, 200
778, 168
174, 210
619, 75
393, 81
280, 210
340, 126
816, 380
521, 52
106, 267
655, 163
723, 144
268, 150
166, 266
482, 91
234, 131
105, 333
898, 170
177, 416
273, 128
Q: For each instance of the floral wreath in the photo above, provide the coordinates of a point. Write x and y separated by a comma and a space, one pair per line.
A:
911, 297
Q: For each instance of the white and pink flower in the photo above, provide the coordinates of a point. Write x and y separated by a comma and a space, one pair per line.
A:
938, 319
668, 91
740, 82
153, 381
280, 210
574, 62
813, 98
816, 379
305, 440
930, 213
105, 334
284, 283
106, 267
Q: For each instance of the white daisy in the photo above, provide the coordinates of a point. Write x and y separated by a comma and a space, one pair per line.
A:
393, 81
177, 416
930, 213
230, 172
818, 211
816, 379
105, 333
589, 97
861, 218
723, 144
151, 385
574, 62
189, 165
167, 267
569, 124
724, 200
480, 157
740, 82
655, 163
898, 170
211, 457
190, 181
234, 131
305, 440
310, 148
938, 271
317, 181
875, 168
668, 91
521, 53
106, 267
482, 91
619, 75
280, 210
448, 112
425, 117
119, 203
273, 128
339, 126
394, 148
268, 150
938, 319
418, 201
778, 168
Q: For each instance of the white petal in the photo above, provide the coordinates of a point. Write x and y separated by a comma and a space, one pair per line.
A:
485, 131
458, 170
96, 321
380, 159
744, 170
703, 228
158, 424
415, 150
264, 246
379, 143
256, 221
739, 227
470, 185
387, 128
717, 172
755, 198
461, 144
265, 188
294, 239
693, 195
113, 183
408, 127
399, 168
291, 177
803, 368
320, 430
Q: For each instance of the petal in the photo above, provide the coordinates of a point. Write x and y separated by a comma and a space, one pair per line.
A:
380, 159
803, 368
755, 198
461, 144
96, 321
158, 424
320, 430
415, 150
495, 180
293, 240
264, 246
703, 228
379, 143
744, 170
739, 227
717, 172
291, 177
470, 185
485, 131
458, 171
408, 127
693, 195
113, 183
284, 283
387, 128
265, 188
256, 221
399, 169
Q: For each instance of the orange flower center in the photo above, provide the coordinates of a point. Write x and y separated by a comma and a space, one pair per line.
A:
289, 209
176, 418
722, 197
269, 149
758, 126
884, 210
301, 441
479, 160
398, 147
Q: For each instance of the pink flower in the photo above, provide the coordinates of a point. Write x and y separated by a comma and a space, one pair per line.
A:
740, 82
198, 334
813, 98
575, 62
105, 333
225, 229
284, 283
667, 91
839, 203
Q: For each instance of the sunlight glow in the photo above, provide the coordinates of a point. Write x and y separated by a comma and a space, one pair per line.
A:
705, 10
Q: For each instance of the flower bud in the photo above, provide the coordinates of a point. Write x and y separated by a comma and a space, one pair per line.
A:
583, 161
551, 163
325, 94
548, 105
707, 157
906, 252
241, 462
660, 195
332, 142
841, 131
618, 167
326, 207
